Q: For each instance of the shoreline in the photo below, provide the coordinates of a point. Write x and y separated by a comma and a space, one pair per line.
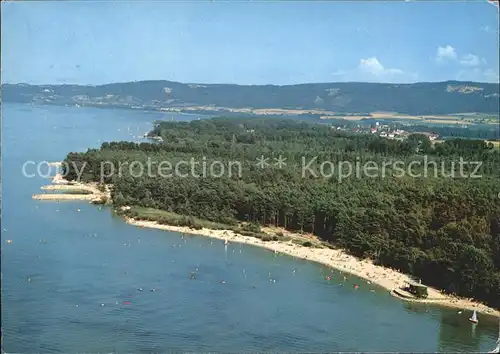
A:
93, 195
58, 196
386, 278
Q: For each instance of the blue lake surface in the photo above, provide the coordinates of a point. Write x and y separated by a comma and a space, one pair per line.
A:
70, 278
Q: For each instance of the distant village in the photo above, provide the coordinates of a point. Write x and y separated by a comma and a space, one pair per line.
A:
385, 131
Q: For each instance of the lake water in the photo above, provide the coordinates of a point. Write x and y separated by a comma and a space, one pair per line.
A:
70, 278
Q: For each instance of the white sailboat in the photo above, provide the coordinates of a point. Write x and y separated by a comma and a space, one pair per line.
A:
474, 319
497, 349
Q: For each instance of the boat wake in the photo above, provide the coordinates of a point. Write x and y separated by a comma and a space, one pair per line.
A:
497, 349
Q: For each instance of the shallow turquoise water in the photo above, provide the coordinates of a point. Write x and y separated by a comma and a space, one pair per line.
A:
70, 279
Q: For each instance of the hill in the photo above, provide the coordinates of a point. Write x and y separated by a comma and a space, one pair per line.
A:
334, 98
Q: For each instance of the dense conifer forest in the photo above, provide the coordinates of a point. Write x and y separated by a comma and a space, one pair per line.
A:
432, 210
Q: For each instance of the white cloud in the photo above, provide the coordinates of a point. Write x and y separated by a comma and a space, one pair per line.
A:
372, 70
477, 74
373, 66
470, 60
447, 52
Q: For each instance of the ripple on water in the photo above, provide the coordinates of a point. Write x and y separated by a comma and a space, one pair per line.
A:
297, 313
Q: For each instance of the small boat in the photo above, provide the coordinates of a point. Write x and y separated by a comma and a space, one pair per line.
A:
473, 319
497, 349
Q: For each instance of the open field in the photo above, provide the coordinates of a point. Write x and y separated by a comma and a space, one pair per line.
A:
469, 119
459, 118
452, 120
496, 144
445, 119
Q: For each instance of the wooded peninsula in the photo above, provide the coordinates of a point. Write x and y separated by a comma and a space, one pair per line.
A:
433, 211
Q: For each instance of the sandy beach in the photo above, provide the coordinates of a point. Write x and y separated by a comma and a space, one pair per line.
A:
60, 196
386, 278
60, 184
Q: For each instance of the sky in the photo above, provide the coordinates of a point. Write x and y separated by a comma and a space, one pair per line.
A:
250, 42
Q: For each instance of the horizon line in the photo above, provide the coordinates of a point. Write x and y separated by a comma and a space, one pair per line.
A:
236, 84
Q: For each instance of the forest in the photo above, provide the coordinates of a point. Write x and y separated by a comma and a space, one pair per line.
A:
439, 221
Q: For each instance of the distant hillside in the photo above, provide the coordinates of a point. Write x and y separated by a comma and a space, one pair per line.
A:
416, 99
